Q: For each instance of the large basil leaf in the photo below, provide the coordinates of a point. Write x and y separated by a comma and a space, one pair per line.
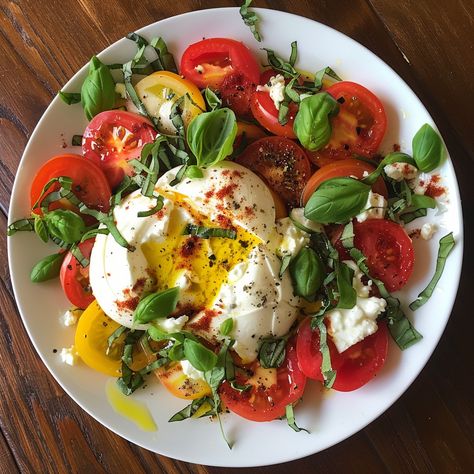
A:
156, 305
428, 149
98, 89
337, 200
307, 273
47, 268
211, 135
199, 356
65, 225
312, 125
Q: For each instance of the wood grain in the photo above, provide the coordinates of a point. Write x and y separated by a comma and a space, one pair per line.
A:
430, 44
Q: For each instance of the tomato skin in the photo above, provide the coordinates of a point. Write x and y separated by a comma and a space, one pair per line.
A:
261, 403
309, 355
89, 183
368, 111
236, 91
387, 248
75, 279
362, 361
347, 167
281, 163
114, 137
218, 57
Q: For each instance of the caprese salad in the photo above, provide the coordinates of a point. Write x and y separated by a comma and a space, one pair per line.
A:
233, 229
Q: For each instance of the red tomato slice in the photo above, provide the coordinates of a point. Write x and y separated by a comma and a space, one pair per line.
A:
388, 249
75, 278
263, 402
114, 137
208, 62
362, 361
236, 92
281, 163
89, 182
309, 354
347, 167
359, 127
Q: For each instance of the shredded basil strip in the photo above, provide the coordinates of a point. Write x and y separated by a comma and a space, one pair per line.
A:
41, 230
94, 232
76, 251
446, 245
285, 261
347, 293
284, 67
114, 336
319, 77
250, 18
207, 232
165, 59
192, 408
347, 236
212, 99
157, 207
400, 327
290, 418
272, 353
153, 366
240, 388
21, 225
329, 374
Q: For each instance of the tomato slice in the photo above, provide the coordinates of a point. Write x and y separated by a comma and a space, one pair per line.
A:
309, 354
176, 382
75, 278
271, 389
114, 137
89, 183
359, 127
388, 249
160, 91
281, 163
347, 167
236, 92
208, 62
362, 361
93, 329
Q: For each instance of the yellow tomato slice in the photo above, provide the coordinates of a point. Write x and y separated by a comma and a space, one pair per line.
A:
93, 330
175, 381
160, 91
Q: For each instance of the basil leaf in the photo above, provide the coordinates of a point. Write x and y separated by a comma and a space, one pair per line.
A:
157, 207
226, 326
240, 388
165, 60
337, 200
207, 232
65, 225
70, 98
41, 230
250, 18
307, 273
446, 245
312, 125
212, 99
428, 149
347, 293
272, 353
98, 89
319, 77
129, 381
328, 373
210, 136
194, 172
285, 261
290, 418
395, 157
281, 66
192, 408
199, 356
76, 140
47, 268
156, 305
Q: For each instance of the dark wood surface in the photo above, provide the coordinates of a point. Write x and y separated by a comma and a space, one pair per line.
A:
429, 43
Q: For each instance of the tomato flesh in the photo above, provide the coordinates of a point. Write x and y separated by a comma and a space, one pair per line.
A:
264, 402
208, 62
236, 91
75, 278
281, 163
114, 137
387, 248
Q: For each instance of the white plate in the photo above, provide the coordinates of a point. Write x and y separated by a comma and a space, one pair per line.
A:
330, 417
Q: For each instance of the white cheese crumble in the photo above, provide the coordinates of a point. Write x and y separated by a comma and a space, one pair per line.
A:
121, 90
199, 69
190, 371
400, 171
70, 317
420, 183
276, 89
292, 239
428, 230
374, 208
349, 326
171, 325
69, 355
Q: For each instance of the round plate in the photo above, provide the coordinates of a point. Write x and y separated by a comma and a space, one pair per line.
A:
329, 416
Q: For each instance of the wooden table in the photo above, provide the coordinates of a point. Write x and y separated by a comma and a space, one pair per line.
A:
429, 43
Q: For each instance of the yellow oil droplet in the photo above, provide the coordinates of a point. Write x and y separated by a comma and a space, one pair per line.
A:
129, 408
